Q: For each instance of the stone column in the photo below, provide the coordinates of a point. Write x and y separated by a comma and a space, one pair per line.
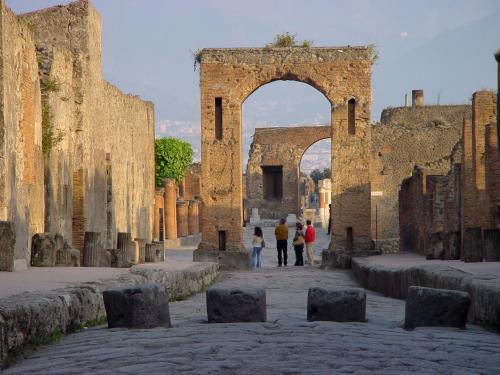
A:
182, 188
193, 224
159, 199
170, 209
141, 244
126, 248
182, 219
92, 248
7, 245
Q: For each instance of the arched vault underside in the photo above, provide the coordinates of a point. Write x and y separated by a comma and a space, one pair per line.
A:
227, 78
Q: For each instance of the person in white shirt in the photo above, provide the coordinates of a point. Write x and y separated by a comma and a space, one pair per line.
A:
258, 244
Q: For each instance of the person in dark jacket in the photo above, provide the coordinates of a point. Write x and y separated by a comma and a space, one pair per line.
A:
281, 233
298, 245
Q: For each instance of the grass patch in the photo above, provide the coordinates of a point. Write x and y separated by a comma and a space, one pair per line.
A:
50, 85
50, 136
54, 337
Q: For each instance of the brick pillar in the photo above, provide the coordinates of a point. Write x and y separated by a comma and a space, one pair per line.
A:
483, 113
159, 198
497, 58
468, 185
417, 98
193, 220
170, 208
492, 174
182, 219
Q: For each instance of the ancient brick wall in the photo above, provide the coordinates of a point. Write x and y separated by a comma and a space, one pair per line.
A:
100, 176
427, 136
21, 185
279, 147
228, 77
483, 113
411, 212
192, 182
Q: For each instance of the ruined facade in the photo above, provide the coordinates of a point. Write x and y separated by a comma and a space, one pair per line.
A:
272, 183
21, 158
228, 77
456, 215
426, 136
98, 164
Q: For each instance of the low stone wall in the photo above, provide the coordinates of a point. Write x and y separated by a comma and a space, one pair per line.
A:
484, 290
192, 240
34, 317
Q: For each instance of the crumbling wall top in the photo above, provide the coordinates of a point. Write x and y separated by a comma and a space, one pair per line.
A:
273, 55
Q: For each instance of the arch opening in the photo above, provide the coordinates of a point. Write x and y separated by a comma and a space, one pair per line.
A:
282, 121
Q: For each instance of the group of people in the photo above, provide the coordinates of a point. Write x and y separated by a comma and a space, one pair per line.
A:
300, 240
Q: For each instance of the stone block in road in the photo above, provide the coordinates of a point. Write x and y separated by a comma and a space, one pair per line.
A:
336, 305
140, 306
427, 307
236, 305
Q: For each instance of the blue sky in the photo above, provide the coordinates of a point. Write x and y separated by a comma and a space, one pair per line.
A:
444, 47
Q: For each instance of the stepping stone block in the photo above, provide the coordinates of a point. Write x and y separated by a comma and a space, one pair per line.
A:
428, 307
236, 305
336, 305
141, 306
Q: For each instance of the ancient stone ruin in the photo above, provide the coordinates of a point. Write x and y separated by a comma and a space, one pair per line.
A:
228, 77
64, 170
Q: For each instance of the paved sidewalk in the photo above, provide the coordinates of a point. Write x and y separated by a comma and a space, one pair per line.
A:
285, 344
412, 259
44, 279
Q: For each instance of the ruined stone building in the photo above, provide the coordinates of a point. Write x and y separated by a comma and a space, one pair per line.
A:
76, 154
456, 215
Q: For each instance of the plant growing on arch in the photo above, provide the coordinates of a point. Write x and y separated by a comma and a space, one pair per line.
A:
172, 158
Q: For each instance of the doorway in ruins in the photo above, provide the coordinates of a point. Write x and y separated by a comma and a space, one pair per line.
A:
283, 125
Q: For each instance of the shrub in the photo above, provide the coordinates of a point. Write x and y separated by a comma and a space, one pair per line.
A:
289, 40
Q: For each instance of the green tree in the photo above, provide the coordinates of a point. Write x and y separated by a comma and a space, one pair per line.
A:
316, 175
327, 173
173, 157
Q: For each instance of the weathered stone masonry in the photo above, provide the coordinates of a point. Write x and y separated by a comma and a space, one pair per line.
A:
228, 77
21, 159
100, 176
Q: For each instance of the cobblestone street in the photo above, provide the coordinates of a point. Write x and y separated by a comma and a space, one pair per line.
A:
285, 344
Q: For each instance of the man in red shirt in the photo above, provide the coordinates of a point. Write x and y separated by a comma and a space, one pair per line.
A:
309, 238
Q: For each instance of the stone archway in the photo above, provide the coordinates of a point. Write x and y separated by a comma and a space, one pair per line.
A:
283, 148
227, 78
